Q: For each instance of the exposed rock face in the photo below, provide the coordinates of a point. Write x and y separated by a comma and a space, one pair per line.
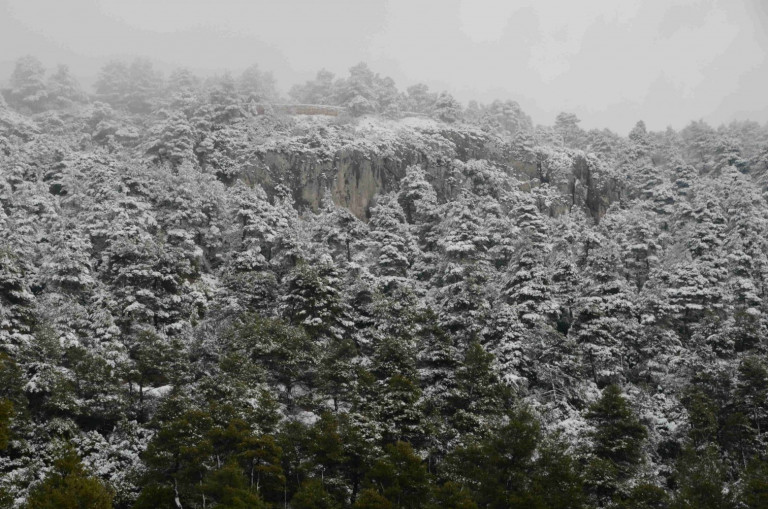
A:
353, 176
590, 188
356, 173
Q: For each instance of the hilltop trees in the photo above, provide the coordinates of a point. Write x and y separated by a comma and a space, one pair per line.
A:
133, 86
28, 87
319, 91
255, 84
64, 89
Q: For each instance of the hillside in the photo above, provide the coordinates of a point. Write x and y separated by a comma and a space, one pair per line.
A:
206, 303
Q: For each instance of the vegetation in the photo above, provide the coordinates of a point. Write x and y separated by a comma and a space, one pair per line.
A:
206, 302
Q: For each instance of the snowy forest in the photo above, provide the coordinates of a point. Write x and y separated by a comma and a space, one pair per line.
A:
214, 295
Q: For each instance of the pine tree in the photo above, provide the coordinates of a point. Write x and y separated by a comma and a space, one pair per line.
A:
63, 89
28, 87
172, 140
318, 91
312, 495
512, 467
314, 300
451, 496
567, 127
6, 416
701, 481
754, 490
112, 83
69, 486
371, 499
401, 477
752, 392
480, 399
183, 91
17, 318
447, 108
226, 487
618, 439
261, 457
177, 460
394, 247
286, 352
257, 85
144, 86
416, 196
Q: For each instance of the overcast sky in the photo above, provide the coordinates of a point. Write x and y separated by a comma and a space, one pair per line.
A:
612, 62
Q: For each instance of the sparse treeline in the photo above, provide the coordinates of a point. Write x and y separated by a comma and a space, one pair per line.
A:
517, 315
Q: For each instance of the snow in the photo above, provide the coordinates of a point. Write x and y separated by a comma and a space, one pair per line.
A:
158, 392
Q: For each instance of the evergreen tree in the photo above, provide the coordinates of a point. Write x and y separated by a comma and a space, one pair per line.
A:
69, 486
6, 416
511, 467
480, 398
618, 439
417, 197
399, 476
754, 491
314, 300
112, 83
286, 352
17, 318
261, 457
701, 481
451, 496
63, 89
226, 488
28, 87
371, 499
255, 84
312, 495
447, 108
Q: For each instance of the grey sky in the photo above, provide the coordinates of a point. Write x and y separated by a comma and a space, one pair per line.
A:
612, 62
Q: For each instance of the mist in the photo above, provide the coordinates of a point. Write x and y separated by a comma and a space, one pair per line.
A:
610, 62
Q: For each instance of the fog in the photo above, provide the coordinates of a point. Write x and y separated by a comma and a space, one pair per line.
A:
612, 62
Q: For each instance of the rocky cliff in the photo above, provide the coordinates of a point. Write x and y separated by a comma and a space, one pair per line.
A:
358, 162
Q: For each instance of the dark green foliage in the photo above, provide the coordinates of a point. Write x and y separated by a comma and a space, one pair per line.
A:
479, 395
702, 416
261, 460
451, 496
372, 499
69, 486
178, 454
513, 467
6, 415
312, 495
159, 496
400, 476
286, 352
617, 444
645, 496
754, 489
618, 435
701, 482
226, 487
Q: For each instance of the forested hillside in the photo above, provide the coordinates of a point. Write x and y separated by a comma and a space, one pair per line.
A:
209, 301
